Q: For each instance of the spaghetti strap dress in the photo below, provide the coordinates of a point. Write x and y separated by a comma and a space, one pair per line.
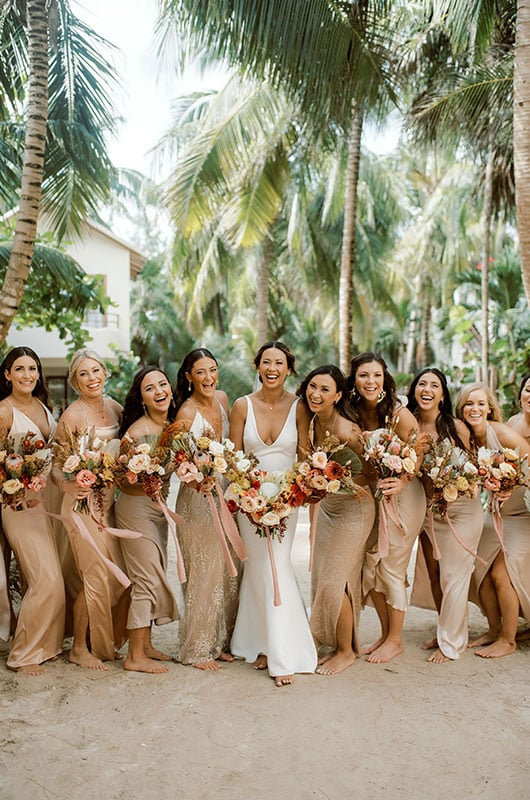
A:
281, 632
516, 534
106, 599
40, 626
210, 594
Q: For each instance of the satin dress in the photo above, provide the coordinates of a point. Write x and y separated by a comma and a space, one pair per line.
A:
40, 626
281, 632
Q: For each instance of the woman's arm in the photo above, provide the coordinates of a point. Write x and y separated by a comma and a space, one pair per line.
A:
238, 417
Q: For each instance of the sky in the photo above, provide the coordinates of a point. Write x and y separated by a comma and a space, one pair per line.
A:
145, 99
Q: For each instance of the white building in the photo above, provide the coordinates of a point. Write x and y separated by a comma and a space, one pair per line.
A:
98, 252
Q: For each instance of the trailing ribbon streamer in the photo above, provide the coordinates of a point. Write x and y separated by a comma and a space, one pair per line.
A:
313, 517
435, 549
277, 597
232, 571
230, 527
171, 519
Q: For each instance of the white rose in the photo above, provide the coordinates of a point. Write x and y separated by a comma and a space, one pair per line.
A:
71, 463
12, 486
229, 445
141, 462
144, 447
507, 469
271, 519
269, 489
219, 464
333, 486
243, 464
216, 448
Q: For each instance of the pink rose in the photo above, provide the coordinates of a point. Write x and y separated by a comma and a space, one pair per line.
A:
187, 472
85, 478
492, 484
393, 463
37, 483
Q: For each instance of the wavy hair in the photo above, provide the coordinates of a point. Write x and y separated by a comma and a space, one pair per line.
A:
342, 405
445, 422
387, 406
183, 390
133, 407
40, 391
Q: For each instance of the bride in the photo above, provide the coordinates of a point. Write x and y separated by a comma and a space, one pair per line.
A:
266, 422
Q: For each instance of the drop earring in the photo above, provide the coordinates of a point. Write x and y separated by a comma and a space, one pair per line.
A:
353, 394
382, 395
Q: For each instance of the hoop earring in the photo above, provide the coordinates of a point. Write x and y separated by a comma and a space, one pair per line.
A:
382, 395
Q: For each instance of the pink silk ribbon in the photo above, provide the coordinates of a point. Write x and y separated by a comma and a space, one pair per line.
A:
229, 526
171, 519
232, 571
313, 517
277, 597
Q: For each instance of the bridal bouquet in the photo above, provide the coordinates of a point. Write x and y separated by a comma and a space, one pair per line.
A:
91, 462
25, 461
143, 462
502, 470
265, 502
389, 455
451, 473
329, 469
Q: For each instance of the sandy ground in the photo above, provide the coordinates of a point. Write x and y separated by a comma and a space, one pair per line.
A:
406, 729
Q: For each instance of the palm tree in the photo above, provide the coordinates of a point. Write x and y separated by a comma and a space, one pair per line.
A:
67, 113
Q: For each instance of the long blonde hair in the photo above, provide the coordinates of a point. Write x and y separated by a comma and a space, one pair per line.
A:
494, 413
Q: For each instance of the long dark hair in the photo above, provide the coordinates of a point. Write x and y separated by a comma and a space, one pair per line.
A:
277, 346
183, 390
445, 422
522, 385
387, 406
342, 405
40, 391
133, 407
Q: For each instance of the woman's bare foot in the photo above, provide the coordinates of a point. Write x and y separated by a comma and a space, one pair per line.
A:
487, 638
338, 662
429, 644
208, 666
387, 651
437, 657
260, 662
84, 658
369, 648
31, 669
225, 656
157, 655
144, 665
498, 649
283, 680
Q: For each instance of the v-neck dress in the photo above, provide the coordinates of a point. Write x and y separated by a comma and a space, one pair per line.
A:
281, 632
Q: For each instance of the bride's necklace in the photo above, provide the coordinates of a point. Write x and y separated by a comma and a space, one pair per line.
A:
276, 403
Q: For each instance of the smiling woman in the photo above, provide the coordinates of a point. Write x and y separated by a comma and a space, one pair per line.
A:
148, 409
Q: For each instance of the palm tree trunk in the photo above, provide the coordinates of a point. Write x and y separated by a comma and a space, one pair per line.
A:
521, 140
486, 245
262, 294
348, 238
32, 168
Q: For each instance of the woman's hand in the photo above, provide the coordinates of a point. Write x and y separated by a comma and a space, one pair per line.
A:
72, 488
391, 486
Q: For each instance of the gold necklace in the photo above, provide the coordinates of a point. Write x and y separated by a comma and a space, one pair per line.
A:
277, 403
98, 411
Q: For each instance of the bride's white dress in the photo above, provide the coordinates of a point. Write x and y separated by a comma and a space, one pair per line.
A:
280, 632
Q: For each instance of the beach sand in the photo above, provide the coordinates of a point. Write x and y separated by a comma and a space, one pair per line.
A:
405, 729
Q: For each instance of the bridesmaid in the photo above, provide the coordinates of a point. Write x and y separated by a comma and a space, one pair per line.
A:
344, 522
267, 422
503, 585
100, 604
521, 422
375, 404
448, 587
24, 406
210, 594
147, 410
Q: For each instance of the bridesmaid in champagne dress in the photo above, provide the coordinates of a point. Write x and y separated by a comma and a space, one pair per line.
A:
503, 585
444, 584
267, 423
40, 626
343, 525
101, 602
147, 410
375, 404
210, 594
